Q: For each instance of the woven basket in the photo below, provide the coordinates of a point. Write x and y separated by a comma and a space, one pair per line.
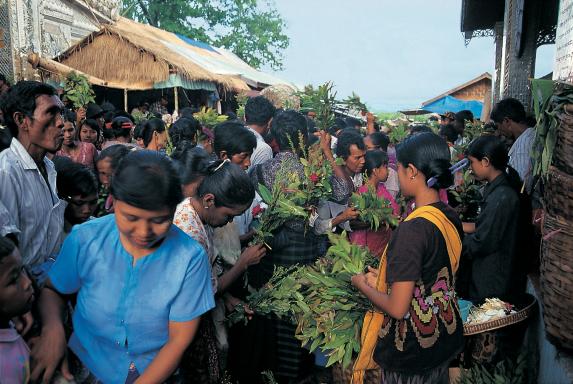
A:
563, 152
557, 279
521, 314
559, 193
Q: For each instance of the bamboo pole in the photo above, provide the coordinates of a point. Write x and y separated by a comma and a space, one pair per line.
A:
125, 100
176, 94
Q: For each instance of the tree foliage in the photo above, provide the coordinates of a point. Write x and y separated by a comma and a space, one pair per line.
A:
252, 29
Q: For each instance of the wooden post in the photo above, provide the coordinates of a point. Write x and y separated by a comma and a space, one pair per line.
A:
125, 100
176, 94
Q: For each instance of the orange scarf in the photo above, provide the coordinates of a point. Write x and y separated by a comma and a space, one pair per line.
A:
373, 320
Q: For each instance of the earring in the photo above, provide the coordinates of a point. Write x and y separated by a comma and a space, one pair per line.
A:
412, 177
206, 207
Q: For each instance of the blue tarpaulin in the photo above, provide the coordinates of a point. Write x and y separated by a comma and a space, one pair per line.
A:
451, 104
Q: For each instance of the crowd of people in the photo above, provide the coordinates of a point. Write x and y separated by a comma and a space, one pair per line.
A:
124, 243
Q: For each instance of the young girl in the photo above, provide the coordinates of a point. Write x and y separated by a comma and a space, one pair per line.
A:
16, 297
89, 132
154, 134
142, 283
106, 163
376, 168
490, 255
416, 329
79, 151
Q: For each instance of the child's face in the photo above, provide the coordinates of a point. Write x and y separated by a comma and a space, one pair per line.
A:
382, 172
16, 292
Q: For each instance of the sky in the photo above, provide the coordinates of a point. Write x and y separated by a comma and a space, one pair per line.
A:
393, 54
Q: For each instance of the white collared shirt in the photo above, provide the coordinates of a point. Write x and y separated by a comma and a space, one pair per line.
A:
34, 206
262, 151
520, 156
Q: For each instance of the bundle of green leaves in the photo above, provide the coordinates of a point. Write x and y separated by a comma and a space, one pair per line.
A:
468, 195
374, 210
78, 90
208, 117
321, 101
282, 205
320, 299
398, 134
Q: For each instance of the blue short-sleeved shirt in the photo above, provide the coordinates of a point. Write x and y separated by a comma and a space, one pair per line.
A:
123, 310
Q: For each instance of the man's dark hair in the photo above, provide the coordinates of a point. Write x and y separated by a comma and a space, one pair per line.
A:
449, 132
380, 140
339, 124
187, 112
259, 111
510, 108
346, 139
419, 128
464, 116
352, 122
22, 98
286, 127
233, 138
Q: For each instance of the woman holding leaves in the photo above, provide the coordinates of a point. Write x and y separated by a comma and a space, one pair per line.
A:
270, 343
416, 329
376, 168
215, 192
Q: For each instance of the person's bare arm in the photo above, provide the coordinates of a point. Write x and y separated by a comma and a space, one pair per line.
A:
396, 304
167, 360
469, 227
49, 349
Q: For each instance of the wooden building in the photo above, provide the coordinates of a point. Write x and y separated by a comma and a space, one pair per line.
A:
518, 27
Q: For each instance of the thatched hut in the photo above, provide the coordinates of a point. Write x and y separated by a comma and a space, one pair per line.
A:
130, 56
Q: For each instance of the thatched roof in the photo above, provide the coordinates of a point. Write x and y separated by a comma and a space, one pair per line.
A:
130, 53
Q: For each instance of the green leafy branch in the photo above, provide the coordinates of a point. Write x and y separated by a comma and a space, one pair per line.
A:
373, 209
320, 299
78, 90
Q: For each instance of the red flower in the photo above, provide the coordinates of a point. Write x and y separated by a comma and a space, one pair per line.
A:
314, 178
257, 210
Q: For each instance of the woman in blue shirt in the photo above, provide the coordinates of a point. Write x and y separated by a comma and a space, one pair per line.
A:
142, 283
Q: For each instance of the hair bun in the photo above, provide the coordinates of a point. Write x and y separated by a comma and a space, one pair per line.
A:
439, 169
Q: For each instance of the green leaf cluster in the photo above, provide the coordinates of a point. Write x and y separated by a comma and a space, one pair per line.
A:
241, 99
508, 371
282, 206
78, 90
547, 125
252, 29
353, 102
468, 195
373, 209
322, 101
398, 133
208, 117
320, 299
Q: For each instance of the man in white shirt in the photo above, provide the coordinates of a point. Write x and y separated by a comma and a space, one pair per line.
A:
33, 114
259, 114
510, 119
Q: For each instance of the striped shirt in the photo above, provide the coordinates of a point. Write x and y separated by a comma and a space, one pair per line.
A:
520, 156
33, 204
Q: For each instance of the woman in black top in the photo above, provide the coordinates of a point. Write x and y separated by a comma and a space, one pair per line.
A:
422, 329
490, 247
